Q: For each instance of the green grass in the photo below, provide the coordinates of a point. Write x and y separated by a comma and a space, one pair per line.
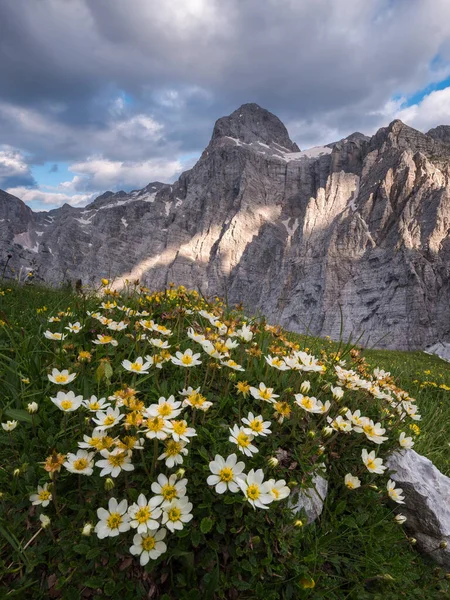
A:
355, 551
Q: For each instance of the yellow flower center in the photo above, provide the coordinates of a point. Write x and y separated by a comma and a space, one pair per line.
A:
168, 492
94, 405
143, 515
196, 399
226, 474
276, 493
148, 543
156, 424
307, 402
371, 464
277, 362
61, 378
350, 485
256, 425
369, 430
173, 448
265, 394
243, 439
253, 491
283, 408
136, 366
174, 514
179, 427
114, 520
109, 420
105, 339
186, 359
66, 404
116, 460
44, 495
165, 409
80, 464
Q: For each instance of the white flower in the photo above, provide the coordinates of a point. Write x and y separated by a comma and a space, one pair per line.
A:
278, 490
144, 513
113, 521
149, 545
263, 393
173, 453
138, 366
340, 424
177, 513
95, 405
352, 482
168, 409
167, 489
117, 326
310, 404
374, 431
395, 493
405, 442
196, 400
232, 365
75, 327
67, 401
242, 440
278, 363
95, 441
107, 419
212, 350
196, 337
225, 473
186, 359
256, 426
305, 387
356, 417
43, 496
82, 462
87, 529
105, 339
245, 333
337, 392
116, 461
45, 521
163, 344
400, 519
32, 407
374, 465
61, 377
256, 492
55, 336
179, 430
156, 428
10, 425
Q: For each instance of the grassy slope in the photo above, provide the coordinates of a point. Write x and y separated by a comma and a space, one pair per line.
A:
374, 559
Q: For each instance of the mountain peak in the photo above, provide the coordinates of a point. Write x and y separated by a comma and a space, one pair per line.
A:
251, 123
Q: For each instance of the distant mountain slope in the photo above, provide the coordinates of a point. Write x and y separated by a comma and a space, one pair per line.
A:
358, 227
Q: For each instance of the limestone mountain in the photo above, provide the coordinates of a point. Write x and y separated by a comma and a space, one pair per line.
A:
354, 233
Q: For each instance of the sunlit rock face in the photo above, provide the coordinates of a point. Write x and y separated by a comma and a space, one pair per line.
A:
351, 237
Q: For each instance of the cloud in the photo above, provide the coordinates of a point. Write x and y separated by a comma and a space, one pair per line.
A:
432, 110
13, 168
94, 78
54, 168
42, 200
103, 174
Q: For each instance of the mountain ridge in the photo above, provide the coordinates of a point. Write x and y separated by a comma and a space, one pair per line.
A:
359, 226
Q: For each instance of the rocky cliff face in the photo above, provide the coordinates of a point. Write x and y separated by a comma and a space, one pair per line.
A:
355, 233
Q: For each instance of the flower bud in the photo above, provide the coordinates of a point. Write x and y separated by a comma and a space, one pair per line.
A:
321, 450
305, 387
337, 392
180, 473
327, 431
311, 434
343, 410
32, 407
45, 521
443, 545
273, 462
16, 472
109, 484
105, 281
400, 519
88, 527
298, 523
412, 541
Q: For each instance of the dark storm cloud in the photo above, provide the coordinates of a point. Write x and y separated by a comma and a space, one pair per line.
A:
144, 79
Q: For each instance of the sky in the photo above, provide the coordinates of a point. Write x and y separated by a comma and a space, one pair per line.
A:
100, 95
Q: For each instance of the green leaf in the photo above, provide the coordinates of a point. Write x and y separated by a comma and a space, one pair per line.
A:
196, 537
203, 453
81, 548
206, 525
18, 415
